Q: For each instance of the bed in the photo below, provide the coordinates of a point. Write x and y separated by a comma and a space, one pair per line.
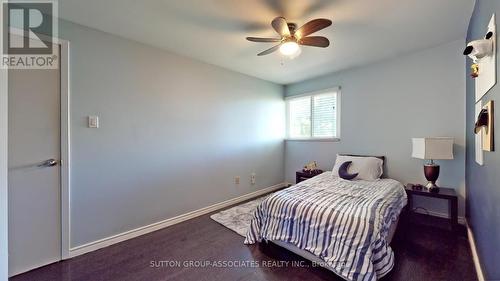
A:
342, 225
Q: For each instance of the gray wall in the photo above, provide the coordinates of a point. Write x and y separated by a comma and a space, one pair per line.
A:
174, 133
384, 105
3, 177
483, 182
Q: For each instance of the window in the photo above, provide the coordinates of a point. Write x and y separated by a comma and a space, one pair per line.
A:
313, 116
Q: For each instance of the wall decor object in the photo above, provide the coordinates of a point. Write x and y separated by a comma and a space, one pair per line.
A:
483, 54
311, 166
486, 127
479, 137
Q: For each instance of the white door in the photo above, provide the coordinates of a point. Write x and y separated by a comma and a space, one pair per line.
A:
34, 170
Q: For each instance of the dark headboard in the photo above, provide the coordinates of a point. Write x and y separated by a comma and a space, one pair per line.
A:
379, 157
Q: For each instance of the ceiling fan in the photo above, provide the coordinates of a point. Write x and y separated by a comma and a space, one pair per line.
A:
291, 37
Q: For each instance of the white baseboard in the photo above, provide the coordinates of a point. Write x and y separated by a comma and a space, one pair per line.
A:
108, 241
461, 220
475, 257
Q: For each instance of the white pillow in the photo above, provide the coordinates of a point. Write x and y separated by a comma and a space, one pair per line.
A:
368, 168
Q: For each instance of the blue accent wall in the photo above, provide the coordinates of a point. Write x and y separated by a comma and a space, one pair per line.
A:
483, 182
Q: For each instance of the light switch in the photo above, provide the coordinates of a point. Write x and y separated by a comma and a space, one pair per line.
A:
93, 121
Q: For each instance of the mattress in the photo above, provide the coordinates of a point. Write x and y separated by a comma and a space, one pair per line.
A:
346, 224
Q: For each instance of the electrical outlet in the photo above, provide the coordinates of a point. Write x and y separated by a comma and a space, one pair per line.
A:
237, 180
252, 178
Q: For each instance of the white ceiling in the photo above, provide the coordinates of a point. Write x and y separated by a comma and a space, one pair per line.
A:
214, 31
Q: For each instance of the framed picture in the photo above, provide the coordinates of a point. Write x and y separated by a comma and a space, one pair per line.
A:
479, 137
487, 66
489, 130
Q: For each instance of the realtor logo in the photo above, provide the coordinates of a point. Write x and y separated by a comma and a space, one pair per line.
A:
28, 35
36, 20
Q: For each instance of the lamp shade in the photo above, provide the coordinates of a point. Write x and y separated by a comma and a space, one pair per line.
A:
433, 148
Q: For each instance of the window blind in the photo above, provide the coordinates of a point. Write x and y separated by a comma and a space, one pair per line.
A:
324, 116
300, 117
313, 116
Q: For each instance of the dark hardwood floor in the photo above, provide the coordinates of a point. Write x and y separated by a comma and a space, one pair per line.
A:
424, 251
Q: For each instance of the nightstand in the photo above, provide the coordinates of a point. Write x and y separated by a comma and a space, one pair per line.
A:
302, 176
448, 194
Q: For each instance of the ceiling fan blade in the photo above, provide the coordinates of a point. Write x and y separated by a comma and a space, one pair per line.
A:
315, 41
258, 39
311, 27
279, 24
270, 50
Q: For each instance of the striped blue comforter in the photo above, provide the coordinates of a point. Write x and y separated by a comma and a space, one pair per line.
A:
344, 223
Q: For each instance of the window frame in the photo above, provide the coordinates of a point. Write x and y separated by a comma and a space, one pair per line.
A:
311, 95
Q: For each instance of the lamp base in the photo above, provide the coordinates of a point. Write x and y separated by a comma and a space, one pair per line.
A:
431, 172
431, 187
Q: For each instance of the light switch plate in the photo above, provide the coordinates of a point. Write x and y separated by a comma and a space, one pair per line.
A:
93, 121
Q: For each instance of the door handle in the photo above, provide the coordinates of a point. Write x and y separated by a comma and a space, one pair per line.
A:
48, 163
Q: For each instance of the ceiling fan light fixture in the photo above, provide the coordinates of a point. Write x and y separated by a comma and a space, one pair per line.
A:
292, 38
290, 49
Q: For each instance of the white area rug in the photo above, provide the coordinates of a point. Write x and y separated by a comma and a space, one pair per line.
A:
238, 218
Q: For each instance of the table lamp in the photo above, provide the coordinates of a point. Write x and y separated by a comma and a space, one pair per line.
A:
435, 148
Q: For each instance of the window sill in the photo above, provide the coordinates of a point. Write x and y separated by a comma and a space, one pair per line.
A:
315, 140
